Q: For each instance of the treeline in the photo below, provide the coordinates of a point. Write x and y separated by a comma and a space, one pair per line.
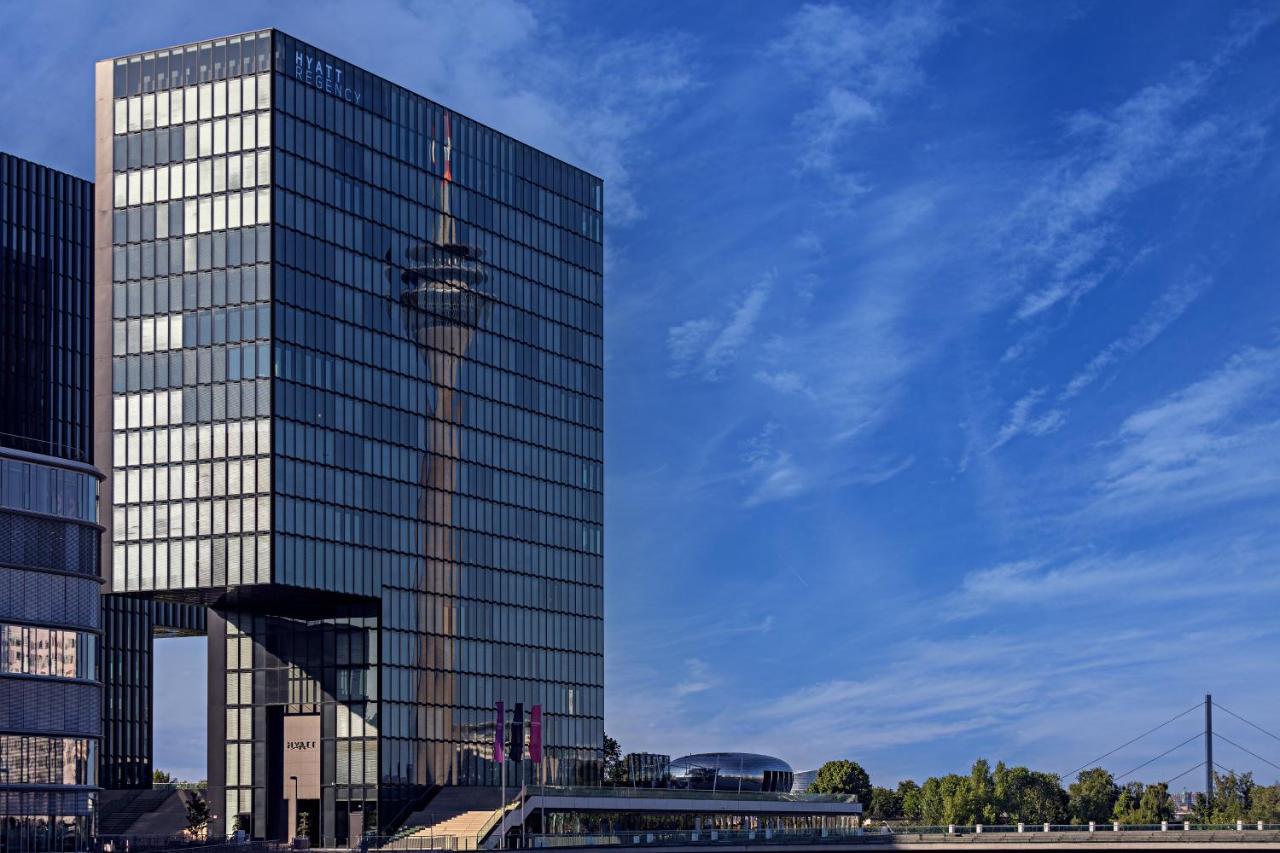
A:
1009, 795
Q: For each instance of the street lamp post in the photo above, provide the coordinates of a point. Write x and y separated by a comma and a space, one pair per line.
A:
292, 834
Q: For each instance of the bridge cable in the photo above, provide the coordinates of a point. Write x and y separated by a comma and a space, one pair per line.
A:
1183, 773
1135, 740
1246, 722
1195, 736
1242, 749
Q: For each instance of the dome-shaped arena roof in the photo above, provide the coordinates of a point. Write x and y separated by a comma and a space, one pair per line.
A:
731, 771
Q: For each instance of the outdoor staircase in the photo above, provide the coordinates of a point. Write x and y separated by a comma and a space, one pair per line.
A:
152, 812
457, 818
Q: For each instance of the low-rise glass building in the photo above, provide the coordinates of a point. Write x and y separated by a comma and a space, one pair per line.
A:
731, 772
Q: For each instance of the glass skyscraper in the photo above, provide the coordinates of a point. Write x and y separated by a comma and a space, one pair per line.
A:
50, 695
355, 358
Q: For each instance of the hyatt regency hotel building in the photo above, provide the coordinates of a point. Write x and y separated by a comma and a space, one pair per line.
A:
348, 361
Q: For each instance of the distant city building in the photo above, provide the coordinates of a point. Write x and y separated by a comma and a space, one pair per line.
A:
731, 771
801, 781
354, 346
50, 693
648, 769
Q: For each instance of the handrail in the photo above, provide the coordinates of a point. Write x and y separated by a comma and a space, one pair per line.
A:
694, 794
498, 816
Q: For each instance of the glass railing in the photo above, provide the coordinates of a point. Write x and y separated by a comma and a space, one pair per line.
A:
687, 794
818, 835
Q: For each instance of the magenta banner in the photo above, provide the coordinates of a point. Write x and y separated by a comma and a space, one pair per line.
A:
498, 726
535, 734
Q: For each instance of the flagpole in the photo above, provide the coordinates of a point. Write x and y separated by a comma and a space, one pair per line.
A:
500, 753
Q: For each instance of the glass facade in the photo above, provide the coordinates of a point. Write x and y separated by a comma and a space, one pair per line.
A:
356, 359
46, 238
50, 695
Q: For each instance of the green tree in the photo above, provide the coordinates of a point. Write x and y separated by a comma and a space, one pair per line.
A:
1028, 796
909, 796
197, 814
842, 777
304, 825
1092, 797
885, 804
1143, 804
614, 770
1265, 804
946, 799
161, 777
1231, 800
982, 793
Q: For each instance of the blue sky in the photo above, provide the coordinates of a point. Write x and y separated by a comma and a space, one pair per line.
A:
942, 352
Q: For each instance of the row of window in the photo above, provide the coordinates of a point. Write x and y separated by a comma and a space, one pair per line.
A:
192, 103
159, 484
398, 435
419, 609
373, 185
487, 465
175, 520
42, 488
36, 760
227, 366
309, 563
391, 118
219, 288
49, 652
446, 509
192, 64
152, 259
344, 266
521, 374
192, 563
511, 625
203, 329
204, 253
218, 442
186, 181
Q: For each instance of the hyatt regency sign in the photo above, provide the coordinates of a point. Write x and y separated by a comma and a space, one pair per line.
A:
325, 76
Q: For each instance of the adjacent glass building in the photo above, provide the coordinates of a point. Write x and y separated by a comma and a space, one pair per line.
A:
50, 694
354, 346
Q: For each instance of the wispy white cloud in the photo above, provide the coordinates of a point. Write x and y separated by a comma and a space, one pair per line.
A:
1022, 418
1171, 305
1063, 238
697, 678
859, 59
1085, 581
1214, 441
705, 347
